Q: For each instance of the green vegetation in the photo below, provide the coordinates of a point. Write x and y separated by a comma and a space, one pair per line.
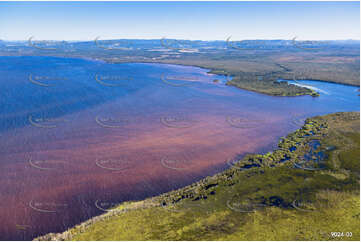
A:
349, 158
272, 88
304, 190
259, 70
256, 69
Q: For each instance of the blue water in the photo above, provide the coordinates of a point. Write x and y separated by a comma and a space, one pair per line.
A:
72, 87
227, 122
340, 96
63, 85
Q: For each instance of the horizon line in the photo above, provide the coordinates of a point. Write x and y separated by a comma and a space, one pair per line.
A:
350, 39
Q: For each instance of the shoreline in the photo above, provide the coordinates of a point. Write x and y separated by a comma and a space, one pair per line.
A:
213, 71
225, 73
313, 127
169, 62
162, 64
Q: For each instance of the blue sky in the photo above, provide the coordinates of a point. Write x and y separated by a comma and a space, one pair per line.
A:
180, 20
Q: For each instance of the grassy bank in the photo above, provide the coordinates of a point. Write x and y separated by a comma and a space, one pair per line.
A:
307, 189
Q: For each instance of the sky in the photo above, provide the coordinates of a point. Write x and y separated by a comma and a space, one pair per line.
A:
179, 20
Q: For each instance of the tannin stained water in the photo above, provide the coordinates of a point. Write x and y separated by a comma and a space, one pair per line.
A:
78, 136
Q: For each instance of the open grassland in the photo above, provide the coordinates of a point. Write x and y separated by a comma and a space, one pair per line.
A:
280, 195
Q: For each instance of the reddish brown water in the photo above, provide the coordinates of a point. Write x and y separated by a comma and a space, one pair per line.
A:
156, 138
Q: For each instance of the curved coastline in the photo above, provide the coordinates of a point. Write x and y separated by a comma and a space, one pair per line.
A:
314, 128
162, 64
215, 70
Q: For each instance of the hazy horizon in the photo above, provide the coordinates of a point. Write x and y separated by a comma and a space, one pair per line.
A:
208, 21
220, 40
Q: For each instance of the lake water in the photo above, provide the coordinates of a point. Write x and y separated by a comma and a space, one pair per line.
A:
78, 136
